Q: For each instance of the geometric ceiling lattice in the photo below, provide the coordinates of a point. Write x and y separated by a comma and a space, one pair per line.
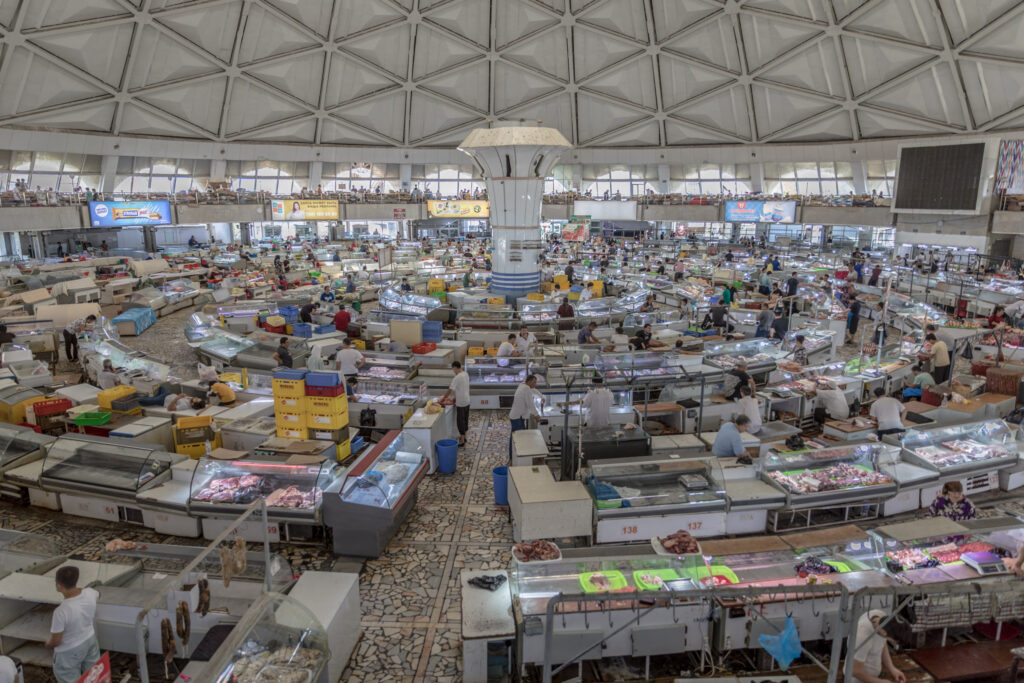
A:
420, 73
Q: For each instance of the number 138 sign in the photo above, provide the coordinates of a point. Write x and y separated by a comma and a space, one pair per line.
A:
643, 528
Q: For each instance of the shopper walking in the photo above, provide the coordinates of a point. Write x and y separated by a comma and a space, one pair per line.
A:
852, 318
72, 635
524, 405
460, 388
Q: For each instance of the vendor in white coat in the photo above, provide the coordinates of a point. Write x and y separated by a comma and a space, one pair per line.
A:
526, 341
872, 655
597, 405
508, 347
748, 405
316, 360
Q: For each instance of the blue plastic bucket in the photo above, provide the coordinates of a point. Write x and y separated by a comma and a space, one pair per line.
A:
500, 476
447, 455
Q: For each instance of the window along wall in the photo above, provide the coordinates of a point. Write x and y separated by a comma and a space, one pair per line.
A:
57, 171
166, 176
360, 176
710, 179
446, 180
809, 177
274, 177
881, 177
606, 181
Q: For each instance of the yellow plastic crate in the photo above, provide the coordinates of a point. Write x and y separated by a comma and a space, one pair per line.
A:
288, 328
574, 296
475, 351
17, 411
288, 419
235, 377
598, 288
196, 421
344, 449
198, 450
327, 404
493, 351
561, 281
293, 432
112, 394
359, 344
547, 287
496, 300
289, 388
290, 404
535, 296
335, 435
327, 420
276, 320
133, 411
434, 285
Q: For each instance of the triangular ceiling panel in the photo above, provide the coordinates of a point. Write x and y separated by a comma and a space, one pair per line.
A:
160, 58
470, 19
518, 18
436, 51
42, 84
200, 103
714, 43
429, 115
873, 62
453, 137
725, 110
388, 48
348, 79
992, 89
355, 16
384, 114
45, 14
625, 18
334, 132
299, 76
844, 8
8, 10
136, 120
1004, 41
211, 27
930, 94
599, 116
680, 133
812, 10
681, 80
672, 16
514, 85
1015, 123
645, 134
313, 14
99, 51
777, 109
816, 67
765, 38
547, 52
593, 51
553, 112
468, 85
876, 124
632, 82
914, 21
97, 117
301, 131
266, 35
251, 106
966, 18
835, 126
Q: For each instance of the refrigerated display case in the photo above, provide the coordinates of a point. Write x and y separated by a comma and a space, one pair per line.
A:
631, 303
277, 639
488, 316
538, 313
178, 291
377, 494
646, 497
393, 401
962, 450
491, 371
21, 445
149, 297
646, 366
223, 348
106, 467
828, 477
293, 493
554, 418
399, 306
388, 367
760, 355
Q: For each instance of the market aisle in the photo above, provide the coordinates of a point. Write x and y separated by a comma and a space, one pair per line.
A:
410, 596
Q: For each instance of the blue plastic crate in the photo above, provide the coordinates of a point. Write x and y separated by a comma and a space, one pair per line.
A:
432, 326
323, 329
304, 330
290, 374
289, 313
322, 379
357, 444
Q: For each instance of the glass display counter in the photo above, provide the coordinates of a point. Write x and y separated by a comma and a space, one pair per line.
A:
19, 551
149, 297
638, 365
176, 291
485, 371
758, 354
963, 449
199, 326
293, 493
828, 477
488, 316
388, 367
21, 445
277, 639
377, 494
538, 313
402, 305
224, 347
600, 311
871, 367
632, 302
110, 468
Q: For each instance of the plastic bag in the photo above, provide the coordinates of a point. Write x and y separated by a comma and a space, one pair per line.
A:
785, 647
207, 373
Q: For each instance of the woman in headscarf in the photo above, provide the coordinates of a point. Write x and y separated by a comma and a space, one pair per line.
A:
316, 361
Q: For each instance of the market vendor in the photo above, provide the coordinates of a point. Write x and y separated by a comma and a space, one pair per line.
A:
107, 377
939, 353
742, 380
282, 356
799, 352
351, 386
586, 334
526, 341
748, 405
952, 503
728, 441
643, 339
888, 412
588, 293
921, 381
871, 654
349, 358
5, 336
225, 394
327, 296
508, 347
306, 312
597, 405
997, 318
832, 403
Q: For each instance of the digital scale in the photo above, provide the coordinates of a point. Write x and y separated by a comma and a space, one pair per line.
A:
985, 563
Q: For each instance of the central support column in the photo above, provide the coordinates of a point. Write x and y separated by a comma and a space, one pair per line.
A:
514, 160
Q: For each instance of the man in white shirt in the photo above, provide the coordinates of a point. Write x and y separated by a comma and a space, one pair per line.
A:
597, 405
460, 388
363, 275
588, 293
526, 342
523, 406
349, 359
620, 339
833, 401
508, 347
889, 412
748, 405
72, 636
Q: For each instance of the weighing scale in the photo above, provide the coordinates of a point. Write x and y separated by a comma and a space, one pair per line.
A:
985, 563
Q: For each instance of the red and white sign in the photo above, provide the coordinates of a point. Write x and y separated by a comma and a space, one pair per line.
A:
100, 671
400, 214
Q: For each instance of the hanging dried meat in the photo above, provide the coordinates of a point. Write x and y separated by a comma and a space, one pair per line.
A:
183, 623
167, 643
238, 556
203, 605
226, 564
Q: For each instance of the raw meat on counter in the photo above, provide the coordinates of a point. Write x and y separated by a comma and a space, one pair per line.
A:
909, 558
245, 489
119, 544
536, 551
951, 552
680, 543
831, 478
283, 665
382, 373
814, 565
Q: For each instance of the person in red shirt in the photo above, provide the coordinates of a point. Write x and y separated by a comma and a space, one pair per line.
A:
341, 319
998, 317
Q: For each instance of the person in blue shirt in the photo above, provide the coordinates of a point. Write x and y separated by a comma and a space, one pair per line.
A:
350, 284
327, 296
776, 265
351, 384
586, 335
406, 287
728, 442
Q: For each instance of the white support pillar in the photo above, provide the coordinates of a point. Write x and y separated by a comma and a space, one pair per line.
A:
664, 179
316, 172
515, 160
108, 174
860, 177
756, 178
405, 177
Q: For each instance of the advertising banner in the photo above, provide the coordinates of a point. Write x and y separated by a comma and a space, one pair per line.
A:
577, 229
116, 214
760, 212
444, 208
304, 210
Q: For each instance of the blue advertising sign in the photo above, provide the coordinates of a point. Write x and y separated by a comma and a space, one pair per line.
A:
743, 211
114, 214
